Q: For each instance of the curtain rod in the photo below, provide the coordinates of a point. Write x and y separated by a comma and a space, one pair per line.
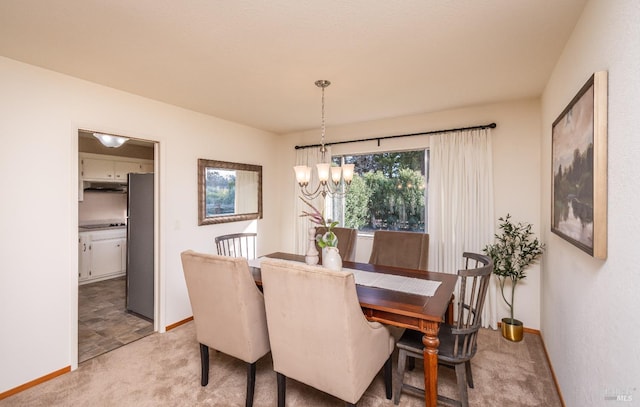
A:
484, 126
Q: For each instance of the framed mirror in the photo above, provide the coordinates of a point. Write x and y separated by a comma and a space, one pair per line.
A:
228, 192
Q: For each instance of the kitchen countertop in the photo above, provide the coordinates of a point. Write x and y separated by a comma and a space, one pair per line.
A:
102, 226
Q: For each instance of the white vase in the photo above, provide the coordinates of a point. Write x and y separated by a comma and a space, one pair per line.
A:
331, 258
311, 257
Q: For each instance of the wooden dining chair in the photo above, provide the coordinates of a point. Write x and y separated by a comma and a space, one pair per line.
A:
458, 342
400, 249
318, 333
237, 245
347, 240
228, 311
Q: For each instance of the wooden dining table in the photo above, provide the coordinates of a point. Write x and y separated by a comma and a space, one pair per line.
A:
417, 312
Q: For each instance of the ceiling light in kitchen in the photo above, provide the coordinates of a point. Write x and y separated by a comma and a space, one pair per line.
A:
109, 140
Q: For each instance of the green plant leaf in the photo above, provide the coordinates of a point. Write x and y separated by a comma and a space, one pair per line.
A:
514, 250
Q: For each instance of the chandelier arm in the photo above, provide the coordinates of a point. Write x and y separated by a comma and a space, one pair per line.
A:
304, 189
324, 190
339, 191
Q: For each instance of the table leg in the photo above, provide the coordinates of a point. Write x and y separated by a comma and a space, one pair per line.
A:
448, 316
431, 342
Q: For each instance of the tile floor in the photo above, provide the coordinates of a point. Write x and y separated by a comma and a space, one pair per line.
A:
103, 322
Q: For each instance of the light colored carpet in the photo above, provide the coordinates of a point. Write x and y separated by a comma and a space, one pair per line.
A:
164, 370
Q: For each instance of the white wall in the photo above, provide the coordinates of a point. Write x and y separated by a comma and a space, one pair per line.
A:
101, 206
40, 113
516, 154
590, 307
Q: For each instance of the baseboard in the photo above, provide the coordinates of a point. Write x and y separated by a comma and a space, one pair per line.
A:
35, 382
553, 374
546, 354
177, 324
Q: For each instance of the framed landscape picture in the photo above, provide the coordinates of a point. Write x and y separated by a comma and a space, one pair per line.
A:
579, 169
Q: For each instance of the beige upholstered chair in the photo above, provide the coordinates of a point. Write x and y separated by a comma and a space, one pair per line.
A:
237, 245
228, 311
458, 342
347, 239
318, 333
400, 249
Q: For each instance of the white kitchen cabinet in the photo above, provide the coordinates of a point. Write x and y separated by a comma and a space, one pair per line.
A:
102, 255
106, 257
123, 257
122, 168
84, 256
146, 167
97, 167
107, 168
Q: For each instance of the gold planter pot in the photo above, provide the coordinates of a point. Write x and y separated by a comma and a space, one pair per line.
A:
512, 329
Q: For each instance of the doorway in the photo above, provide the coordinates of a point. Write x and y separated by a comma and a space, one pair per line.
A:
109, 313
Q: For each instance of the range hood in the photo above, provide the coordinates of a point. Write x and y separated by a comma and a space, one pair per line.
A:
105, 186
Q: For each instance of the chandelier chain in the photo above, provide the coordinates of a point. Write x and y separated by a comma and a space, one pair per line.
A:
323, 128
322, 83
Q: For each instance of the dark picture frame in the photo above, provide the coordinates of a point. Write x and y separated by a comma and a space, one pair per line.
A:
579, 169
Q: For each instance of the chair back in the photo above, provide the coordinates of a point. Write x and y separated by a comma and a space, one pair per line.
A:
318, 333
228, 308
474, 280
237, 245
347, 240
400, 249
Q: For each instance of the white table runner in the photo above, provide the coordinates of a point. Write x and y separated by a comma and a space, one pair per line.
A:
255, 262
393, 282
396, 283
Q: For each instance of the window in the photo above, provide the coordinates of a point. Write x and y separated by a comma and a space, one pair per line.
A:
388, 192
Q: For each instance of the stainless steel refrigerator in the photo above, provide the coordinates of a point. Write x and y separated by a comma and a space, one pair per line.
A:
140, 256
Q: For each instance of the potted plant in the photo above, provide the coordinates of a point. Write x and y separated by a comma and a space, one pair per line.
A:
514, 250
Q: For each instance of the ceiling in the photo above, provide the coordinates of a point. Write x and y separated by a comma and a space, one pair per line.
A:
255, 62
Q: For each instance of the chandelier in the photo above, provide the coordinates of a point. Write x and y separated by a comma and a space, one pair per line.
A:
340, 176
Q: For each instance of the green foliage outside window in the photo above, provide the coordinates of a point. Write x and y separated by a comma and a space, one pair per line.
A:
220, 192
388, 192
356, 212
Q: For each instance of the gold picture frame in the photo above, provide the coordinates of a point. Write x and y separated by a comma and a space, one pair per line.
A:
579, 169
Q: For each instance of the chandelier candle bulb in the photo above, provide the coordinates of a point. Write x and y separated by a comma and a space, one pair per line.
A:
347, 172
336, 174
303, 174
323, 172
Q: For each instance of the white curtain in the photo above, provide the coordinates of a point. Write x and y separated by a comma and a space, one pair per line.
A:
309, 157
460, 213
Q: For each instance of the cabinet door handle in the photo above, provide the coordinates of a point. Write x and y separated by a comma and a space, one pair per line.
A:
84, 247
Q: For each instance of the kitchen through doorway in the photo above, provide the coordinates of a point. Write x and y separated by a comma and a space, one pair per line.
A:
116, 229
